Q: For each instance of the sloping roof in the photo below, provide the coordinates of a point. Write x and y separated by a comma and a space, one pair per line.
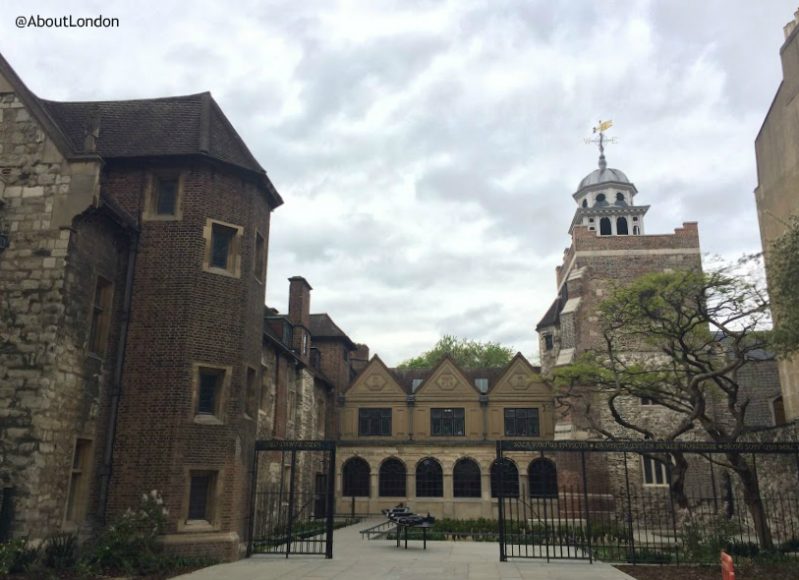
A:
551, 318
185, 125
406, 377
322, 326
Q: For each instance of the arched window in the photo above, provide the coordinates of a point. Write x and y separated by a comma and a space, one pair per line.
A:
636, 231
585, 203
621, 226
356, 478
466, 479
601, 200
604, 227
429, 479
510, 478
392, 478
543, 477
619, 196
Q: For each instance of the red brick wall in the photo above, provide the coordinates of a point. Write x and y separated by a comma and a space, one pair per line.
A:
182, 315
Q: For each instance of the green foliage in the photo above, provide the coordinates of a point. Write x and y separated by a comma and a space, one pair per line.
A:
131, 544
61, 551
704, 537
783, 262
468, 354
16, 556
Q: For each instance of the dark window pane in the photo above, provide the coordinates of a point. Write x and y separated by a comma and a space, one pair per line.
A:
221, 238
206, 401
447, 422
466, 479
521, 422
429, 479
374, 422
198, 497
392, 478
356, 478
543, 478
510, 479
167, 196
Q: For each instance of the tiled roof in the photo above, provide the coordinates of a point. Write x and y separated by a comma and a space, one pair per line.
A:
406, 377
551, 318
185, 125
322, 326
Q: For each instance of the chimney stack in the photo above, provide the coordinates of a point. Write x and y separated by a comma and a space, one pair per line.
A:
791, 26
300, 315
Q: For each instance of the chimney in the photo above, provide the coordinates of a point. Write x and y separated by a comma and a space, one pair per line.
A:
791, 26
360, 357
300, 315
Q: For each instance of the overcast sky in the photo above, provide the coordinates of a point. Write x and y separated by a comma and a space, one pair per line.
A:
427, 150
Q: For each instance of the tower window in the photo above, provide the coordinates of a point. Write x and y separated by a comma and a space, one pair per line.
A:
619, 196
590, 220
549, 343
636, 231
635, 218
600, 198
585, 203
621, 226
604, 227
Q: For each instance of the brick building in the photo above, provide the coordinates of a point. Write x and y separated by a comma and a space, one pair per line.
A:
778, 175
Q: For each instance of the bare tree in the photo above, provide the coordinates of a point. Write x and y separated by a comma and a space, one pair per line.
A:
678, 339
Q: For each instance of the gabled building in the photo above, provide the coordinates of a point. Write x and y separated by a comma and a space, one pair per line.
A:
428, 437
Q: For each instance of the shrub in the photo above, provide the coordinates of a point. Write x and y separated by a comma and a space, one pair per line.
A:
131, 544
61, 551
16, 556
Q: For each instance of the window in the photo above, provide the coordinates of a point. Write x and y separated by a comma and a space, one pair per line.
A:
223, 248
250, 395
260, 257
355, 478
655, 472
304, 343
585, 203
600, 199
429, 479
209, 387
505, 470
202, 491
221, 245
604, 227
543, 478
481, 384
778, 409
635, 218
619, 196
466, 479
374, 422
521, 422
166, 196
208, 396
446, 422
101, 316
636, 231
590, 220
393, 478
549, 342
621, 226
163, 196
288, 334
79, 482
415, 384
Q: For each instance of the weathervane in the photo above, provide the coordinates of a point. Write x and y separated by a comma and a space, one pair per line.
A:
601, 127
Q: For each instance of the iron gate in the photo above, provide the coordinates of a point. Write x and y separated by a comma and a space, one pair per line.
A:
581, 518
293, 486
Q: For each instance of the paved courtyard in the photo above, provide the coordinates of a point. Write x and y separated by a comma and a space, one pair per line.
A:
359, 559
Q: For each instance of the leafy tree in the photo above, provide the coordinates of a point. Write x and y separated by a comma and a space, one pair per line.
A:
469, 354
783, 275
662, 340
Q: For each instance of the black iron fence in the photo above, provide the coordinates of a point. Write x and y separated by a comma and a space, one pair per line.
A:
645, 519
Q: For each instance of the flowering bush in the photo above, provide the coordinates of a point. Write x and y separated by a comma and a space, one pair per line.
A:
131, 542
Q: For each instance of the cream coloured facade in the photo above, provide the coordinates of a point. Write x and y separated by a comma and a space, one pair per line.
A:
443, 420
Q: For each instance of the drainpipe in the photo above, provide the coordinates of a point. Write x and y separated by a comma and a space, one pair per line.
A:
116, 388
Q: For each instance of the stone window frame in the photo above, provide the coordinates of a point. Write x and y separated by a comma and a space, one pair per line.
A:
221, 398
233, 268
150, 212
511, 422
212, 522
250, 400
383, 417
356, 477
455, 417
101, 311
658, 467
80, 477
259, 263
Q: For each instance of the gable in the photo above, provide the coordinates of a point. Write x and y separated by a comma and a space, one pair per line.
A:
375, 382
520, 379
447, 382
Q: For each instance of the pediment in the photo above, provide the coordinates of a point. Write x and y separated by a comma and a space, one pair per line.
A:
447, 381
375, 381
520, 379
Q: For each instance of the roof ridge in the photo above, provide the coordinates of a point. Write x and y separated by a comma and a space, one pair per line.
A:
116, 101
